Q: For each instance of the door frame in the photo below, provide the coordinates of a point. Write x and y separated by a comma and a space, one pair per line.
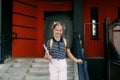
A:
48, 6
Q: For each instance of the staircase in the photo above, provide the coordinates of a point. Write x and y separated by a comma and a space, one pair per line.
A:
30, 69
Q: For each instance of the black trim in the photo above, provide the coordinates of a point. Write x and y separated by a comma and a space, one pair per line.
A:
97, 69
6, 27
116, 30
118, 12
77, 16
113, 70
26, 4
24, 15
14, 25
26, 38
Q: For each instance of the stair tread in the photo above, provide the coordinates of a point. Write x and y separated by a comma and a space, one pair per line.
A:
30, 69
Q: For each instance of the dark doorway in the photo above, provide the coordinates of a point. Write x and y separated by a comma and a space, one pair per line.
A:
65, 17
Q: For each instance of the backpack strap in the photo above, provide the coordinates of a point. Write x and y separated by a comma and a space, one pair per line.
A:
65, 42
51, 42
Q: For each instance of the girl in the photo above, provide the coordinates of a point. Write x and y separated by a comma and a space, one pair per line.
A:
58, 48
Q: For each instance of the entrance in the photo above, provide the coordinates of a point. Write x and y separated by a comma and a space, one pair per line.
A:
65, 17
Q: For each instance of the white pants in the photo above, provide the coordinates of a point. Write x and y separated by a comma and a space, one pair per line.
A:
58, 69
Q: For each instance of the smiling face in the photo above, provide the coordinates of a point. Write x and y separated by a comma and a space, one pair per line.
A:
57, 31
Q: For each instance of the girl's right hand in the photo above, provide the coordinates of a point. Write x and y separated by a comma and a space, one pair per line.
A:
49, 57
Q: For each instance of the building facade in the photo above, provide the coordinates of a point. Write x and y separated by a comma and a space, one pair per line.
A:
27, 23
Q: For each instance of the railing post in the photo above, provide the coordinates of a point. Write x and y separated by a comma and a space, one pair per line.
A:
76, 74
0, 27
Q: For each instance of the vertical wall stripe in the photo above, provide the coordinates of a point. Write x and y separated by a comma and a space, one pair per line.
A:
77, 15
6, 28
0, 14
0, 25
6, 16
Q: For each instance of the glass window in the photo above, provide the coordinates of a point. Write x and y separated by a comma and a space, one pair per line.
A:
94, 23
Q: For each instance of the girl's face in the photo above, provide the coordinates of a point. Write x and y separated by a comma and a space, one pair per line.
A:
57, 31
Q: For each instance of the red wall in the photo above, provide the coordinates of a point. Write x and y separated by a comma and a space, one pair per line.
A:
106, 8
25, 25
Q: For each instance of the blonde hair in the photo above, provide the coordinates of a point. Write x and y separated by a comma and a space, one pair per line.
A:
56, 23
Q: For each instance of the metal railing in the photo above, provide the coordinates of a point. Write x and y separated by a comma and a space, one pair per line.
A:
113, 70
113, 53
76, 73
79, 53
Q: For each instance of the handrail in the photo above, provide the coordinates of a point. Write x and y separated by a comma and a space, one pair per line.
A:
115, 62
79, 53
114, 53
111, 44
6, 34
113, 69
16, 36
6, 37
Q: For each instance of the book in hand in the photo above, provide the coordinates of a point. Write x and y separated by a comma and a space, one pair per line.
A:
46, 50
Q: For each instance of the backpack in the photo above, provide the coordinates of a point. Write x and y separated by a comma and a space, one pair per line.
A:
51, 42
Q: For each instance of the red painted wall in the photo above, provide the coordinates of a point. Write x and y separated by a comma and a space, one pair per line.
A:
25, 25
106, 8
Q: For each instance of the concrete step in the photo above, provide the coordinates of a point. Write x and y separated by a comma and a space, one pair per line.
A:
29, 69
39, 70
39, 77
44, 71
46, 65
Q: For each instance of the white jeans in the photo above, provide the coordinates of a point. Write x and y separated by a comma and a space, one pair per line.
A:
58, 69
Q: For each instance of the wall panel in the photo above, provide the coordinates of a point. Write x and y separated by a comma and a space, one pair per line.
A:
30, 2
25, 25
25, 32
24, 9
22, 20
106, 8
24, 48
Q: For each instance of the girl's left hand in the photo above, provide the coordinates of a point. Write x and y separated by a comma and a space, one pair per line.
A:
78, 60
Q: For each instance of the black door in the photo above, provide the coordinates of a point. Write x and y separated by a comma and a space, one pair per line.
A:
5, 29
65, 17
